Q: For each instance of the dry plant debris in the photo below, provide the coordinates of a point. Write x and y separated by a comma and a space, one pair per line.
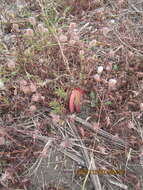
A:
71, 94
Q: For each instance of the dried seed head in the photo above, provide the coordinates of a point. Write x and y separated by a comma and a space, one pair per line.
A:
112, 83
32, 21
1, 84
32, 108
141, 106
93, 43
72, 42
23, 82
81, 52
29, 33
109, 67
33, 87
112, 21
121, 2
63, 38
105, 31
36, 97
131, 125
74, 36
45, 30
111, 53
21, 4
15, 28
130, 54
72, 25
99, 70
25, 89
41, 28
11, 64
97, 78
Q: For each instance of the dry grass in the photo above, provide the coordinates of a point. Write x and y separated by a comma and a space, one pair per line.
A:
47, 49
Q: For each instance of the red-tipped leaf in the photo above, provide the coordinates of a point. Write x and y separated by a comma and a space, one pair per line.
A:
75, 100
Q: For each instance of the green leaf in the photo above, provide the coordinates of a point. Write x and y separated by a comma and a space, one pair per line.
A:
56, 106
60, 92
116, 67
94, 99
108, 103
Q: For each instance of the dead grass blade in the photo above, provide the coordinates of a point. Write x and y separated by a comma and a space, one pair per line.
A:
36, 165
73, 157
123, 186
101, 132
90, 164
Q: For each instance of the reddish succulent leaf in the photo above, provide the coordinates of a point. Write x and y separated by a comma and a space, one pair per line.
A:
71, 102
75, 100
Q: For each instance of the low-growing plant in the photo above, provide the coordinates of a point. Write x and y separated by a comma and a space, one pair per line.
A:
60, 92
56, 106
94, 101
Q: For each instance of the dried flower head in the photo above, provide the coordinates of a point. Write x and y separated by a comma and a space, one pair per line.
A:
130, 54
29, 33
109, 67
20, 4
72, 25
15, 28
141, 106
33, 87
93, 43
81, 53
105, 31
23, 82
63, 38
11, 64
111, 53
25, 89
36, 97
32, 21
40, 28
99, 70
32, 108
45, 30
97, 78
72, 42
1, 84
112, 83
74, 36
